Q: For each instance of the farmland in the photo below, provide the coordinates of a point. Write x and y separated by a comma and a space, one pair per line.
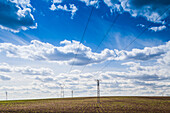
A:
88, 104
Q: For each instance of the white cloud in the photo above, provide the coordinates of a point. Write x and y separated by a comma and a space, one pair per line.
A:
44, 51
165, 59
53, 7
45, 79
147, 9
57, 1
75, 71
66, 54
160, 28
141, 25
156, 29
4, 78
90, 2
16, 15
137, 80
71, 9
148, 73
108, 2
34, 71
144, 54
4, 67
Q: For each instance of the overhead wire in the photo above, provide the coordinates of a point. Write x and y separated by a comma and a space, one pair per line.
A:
105, 35
134, 39
107, 32
85, 29
137, 37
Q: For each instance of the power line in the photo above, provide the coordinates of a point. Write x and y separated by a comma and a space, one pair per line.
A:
108, 30
137, 37
113, 22
132, 40
82, 37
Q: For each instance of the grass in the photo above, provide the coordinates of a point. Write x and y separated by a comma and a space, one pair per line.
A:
88, 104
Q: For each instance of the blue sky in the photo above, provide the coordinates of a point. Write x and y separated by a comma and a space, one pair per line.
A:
39, 40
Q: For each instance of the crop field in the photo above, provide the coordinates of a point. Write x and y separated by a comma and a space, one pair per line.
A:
89, 104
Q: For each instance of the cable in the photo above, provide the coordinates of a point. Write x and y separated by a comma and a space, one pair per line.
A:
136, 37
113, 22
82, 38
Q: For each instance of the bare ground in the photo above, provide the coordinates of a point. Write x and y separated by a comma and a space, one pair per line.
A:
89, 105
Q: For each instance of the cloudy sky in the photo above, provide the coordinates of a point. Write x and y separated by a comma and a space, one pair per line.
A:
47, 43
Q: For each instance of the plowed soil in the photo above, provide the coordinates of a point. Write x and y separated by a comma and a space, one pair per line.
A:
89, 105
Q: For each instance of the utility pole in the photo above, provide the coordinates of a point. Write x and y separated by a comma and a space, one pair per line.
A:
98, 90
6, 95
72, 93
62, 90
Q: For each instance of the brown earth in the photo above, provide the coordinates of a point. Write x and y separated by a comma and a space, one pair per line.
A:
89, 105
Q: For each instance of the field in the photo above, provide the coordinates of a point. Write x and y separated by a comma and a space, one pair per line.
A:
89, 104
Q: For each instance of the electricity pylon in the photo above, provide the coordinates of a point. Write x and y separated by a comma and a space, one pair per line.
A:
72, 93
62, 90
6, 95
98, 90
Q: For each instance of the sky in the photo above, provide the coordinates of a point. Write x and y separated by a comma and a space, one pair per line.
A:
49, 44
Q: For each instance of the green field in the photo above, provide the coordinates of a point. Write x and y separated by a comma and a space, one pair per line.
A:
89, 104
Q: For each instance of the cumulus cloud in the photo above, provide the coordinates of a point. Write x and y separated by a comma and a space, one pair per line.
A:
35, 71
148, 9
57, 1
75, 71
15, 15
160, 28
159, 71
45, 79
141, 25
144, 54
53, 7
139, 79
155, 28
4, 67
90, 2
71, 9
63, 54
4, 78
66, 54
165, 59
